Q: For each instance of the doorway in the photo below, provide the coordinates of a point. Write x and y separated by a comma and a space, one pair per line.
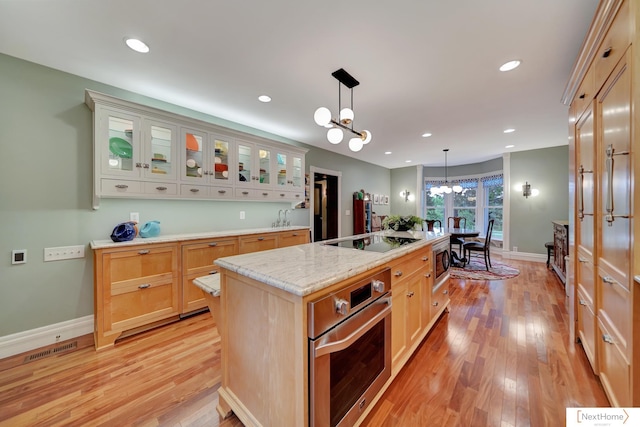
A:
325, 204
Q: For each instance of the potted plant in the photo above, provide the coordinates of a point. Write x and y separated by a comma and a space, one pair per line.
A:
401, 223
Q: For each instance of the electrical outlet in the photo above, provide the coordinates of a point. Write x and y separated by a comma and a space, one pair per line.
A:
241, 214
63, 252
134, 216
515, 249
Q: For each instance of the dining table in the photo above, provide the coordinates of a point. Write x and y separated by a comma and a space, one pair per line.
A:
459, 260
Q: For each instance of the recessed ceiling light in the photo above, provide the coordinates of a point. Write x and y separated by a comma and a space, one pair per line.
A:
508, 66
426, 135
509, 130
509, 146
387, 152
407, 161
264, 98
137, 45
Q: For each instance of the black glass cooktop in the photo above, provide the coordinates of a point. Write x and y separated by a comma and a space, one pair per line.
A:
374, 243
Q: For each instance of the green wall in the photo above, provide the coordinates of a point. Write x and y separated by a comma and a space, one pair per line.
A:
46, 192
547, 170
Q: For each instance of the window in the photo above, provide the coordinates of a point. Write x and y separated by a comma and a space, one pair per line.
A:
480, 200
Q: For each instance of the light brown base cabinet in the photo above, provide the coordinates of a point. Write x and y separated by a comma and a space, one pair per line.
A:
141, 286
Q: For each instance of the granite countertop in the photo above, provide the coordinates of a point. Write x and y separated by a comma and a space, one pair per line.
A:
305, 269
170, 238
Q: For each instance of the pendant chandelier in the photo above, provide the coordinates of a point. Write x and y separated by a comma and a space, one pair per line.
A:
323, 117
445, 188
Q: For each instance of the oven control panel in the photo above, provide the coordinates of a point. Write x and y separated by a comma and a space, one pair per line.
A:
328, 311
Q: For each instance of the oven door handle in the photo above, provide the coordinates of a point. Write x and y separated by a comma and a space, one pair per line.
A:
383, 308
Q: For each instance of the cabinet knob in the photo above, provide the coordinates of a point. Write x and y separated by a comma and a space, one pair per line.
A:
435, 304
446, 292
607, 338
265, 194
583, 302
138, 165
607, 52
146, 165
410, 294
427, 275
398, 273
281, 194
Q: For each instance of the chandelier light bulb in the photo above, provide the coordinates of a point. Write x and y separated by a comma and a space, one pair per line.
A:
346, 116
355, 144
367, 136
322, 116
335, 135
457, 188
447, 190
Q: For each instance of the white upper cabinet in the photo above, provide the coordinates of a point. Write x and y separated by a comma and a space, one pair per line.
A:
143, 152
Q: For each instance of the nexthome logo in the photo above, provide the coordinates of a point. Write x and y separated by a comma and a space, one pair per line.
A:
601, 417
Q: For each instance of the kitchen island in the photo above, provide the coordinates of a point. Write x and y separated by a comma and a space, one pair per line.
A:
264, 309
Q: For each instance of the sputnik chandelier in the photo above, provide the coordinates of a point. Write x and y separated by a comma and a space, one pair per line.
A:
444, 188
335, 134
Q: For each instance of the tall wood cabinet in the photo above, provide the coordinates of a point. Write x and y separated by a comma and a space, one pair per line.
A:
603, 125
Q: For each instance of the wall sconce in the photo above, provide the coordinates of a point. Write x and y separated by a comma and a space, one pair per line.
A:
408, 197
526, 190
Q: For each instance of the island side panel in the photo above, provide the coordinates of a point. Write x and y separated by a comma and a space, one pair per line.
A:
264, 352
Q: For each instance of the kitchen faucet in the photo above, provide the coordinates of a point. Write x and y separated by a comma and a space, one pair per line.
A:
279, 220
286, 222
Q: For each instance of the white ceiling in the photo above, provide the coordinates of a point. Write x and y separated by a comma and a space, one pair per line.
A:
423, 65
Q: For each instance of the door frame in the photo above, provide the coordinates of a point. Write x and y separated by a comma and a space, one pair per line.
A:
312, 175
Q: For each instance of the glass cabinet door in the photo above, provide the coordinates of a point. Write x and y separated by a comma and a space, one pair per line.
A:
245, 159
193, 143
159, 162
221, 161
264, 163
297, 175
281, 167
121, 154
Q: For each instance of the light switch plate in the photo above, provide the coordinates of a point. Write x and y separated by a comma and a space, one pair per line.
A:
63, 252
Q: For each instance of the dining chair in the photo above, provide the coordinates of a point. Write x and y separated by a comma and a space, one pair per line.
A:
431, 224
481, 247
456, 222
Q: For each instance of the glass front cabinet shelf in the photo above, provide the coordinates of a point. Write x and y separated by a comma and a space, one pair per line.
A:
143, 152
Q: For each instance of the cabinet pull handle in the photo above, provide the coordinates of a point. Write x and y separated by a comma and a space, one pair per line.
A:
122, 186
222, 191
581, 172
398, 273
583, 260
607, 338
435, 304
583, 302
245, 192
295, 234
194, 190
145, 165
410, 294
281, 194
425, 258
145, 286
143, 252
582, 96
297, 195
607, 52
138, 165
213, 244
427, 275
265, 194
446, 291
161, 188
260, 239
608, 279
213, 272
610, 217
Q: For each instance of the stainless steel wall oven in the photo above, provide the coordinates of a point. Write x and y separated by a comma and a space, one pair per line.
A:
349, 350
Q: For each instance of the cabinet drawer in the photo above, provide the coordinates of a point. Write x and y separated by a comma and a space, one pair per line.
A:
222, 192
257, 243
292, 238
613, 45
587, 329
194, 191
120, 187
139, 266
585, 94
439, 298
200, 257
133, 306
255, 194
160, 188
192, 296
615, 306
586, 280
288, 195
411, 263
614, 368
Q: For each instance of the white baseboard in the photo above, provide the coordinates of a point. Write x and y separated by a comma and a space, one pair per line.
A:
525, 256
21, 342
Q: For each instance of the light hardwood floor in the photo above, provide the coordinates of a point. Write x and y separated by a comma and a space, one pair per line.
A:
500, 357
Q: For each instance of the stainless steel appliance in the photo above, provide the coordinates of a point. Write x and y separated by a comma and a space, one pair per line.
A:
374, 242
349, 350
442, 259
